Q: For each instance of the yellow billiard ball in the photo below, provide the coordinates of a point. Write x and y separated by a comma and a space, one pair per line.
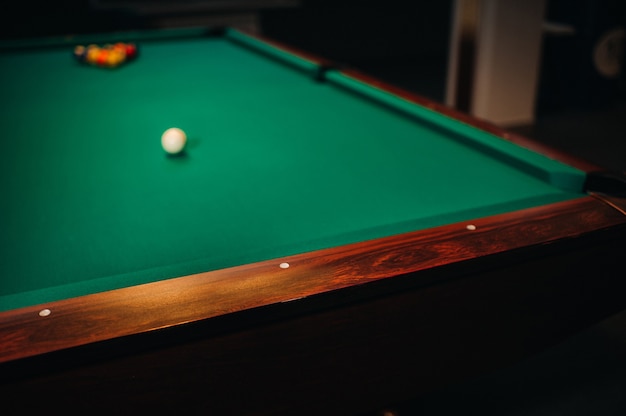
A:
114, 58
93, 52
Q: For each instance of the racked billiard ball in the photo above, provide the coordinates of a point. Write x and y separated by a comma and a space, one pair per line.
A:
80, 53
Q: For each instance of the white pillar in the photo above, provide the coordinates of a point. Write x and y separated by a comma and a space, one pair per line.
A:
505, 63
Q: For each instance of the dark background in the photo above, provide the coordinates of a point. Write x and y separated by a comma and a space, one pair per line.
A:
406, 43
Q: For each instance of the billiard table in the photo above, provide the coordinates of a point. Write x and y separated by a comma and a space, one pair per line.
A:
326, 243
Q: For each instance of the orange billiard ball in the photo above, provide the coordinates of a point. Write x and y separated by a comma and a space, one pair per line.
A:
120, 47
103, 56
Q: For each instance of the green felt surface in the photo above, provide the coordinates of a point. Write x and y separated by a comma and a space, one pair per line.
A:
277, 163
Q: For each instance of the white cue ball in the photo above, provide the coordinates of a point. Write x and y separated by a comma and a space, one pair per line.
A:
173, 140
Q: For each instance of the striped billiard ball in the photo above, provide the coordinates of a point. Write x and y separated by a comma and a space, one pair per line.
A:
80, 53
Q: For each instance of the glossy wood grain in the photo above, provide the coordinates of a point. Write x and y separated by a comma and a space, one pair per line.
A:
78, 321
365, 347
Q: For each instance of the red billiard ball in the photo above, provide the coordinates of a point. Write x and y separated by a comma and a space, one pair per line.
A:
131, 51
